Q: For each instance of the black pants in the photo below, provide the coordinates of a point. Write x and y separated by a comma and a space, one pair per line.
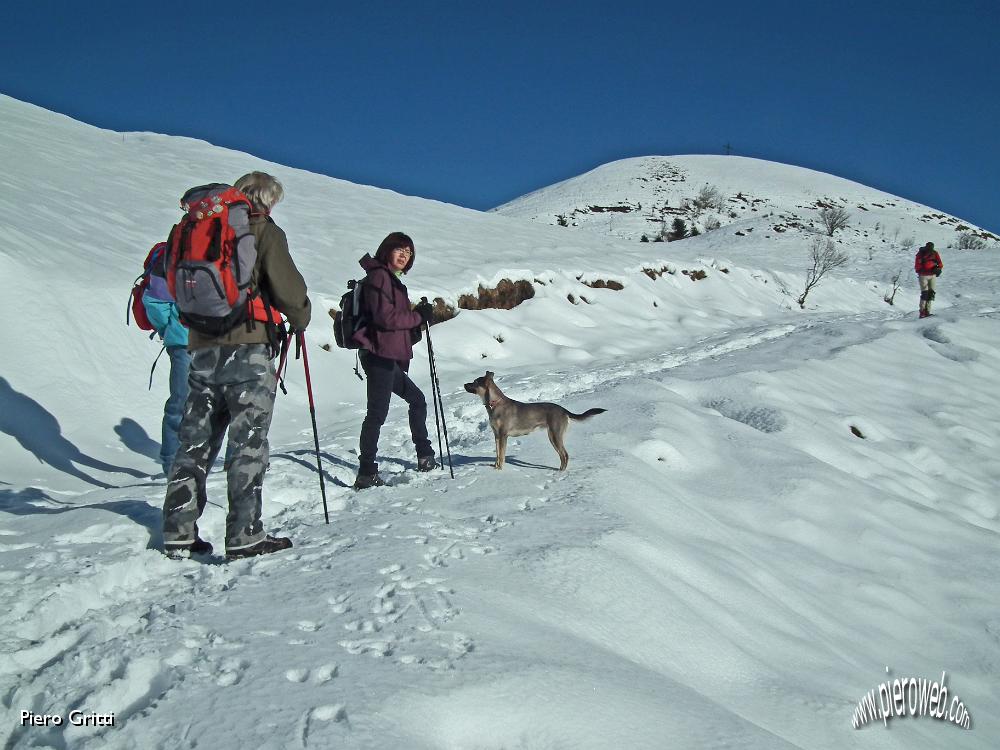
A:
385, 377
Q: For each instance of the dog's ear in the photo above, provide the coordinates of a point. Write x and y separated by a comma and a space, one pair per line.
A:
489, 376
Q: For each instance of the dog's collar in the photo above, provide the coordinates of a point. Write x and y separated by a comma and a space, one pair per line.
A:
492, 404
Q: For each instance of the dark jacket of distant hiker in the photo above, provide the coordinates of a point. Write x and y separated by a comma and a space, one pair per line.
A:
388, 306
278, 279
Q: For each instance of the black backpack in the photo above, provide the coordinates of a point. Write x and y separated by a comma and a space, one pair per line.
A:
351, 317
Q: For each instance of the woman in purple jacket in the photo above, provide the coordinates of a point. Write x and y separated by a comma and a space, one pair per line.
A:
387, 348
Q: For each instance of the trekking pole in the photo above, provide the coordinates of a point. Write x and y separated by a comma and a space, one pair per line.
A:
300, 343
434, 397
437, 385
436, 393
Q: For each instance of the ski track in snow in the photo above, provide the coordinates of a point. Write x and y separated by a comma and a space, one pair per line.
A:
145, 631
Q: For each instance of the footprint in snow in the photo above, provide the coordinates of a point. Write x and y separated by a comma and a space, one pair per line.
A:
231, 671
934, 333
325, 673
319, 676
339, 604
362, 626
334, 713
376, 648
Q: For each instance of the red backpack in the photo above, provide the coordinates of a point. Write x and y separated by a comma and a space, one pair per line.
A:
211, 255
139, 287
927, 261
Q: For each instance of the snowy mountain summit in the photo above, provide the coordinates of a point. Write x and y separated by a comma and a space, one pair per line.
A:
783, 507
736, 195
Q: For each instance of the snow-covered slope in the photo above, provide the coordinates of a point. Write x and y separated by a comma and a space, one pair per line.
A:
643, 196
81, 205
778, 503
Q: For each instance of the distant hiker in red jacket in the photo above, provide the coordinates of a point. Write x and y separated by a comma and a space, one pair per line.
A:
928, 266
387, 348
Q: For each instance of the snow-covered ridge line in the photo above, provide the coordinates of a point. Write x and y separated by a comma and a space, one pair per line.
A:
646, 195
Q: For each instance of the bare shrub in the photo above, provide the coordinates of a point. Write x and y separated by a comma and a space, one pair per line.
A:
506, 296
711, 223
907, 242
443, 311
890, 297
834, 219
602, 284
824, 257
970, 241
655, 273
708, 197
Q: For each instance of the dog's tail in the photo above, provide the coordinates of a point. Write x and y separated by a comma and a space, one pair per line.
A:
587, 414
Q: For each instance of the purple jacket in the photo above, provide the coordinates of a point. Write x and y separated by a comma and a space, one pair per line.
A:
387, 303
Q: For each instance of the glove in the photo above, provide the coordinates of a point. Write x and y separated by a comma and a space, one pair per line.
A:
937, 272
426, 312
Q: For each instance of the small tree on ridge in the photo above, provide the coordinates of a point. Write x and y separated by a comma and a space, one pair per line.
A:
834, 219
678, 230
824, 257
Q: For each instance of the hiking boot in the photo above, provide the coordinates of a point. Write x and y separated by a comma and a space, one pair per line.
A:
426, 463
198, 547
265, 546
364, 481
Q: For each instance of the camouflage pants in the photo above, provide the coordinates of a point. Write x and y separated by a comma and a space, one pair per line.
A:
230, 386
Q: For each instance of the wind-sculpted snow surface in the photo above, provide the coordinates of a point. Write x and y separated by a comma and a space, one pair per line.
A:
685, 578
776, 505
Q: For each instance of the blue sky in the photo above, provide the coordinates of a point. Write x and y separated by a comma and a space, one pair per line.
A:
476, 104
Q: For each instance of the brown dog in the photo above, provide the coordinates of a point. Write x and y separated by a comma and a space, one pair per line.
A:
510, 418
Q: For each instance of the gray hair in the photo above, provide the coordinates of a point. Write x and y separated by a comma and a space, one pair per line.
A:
263, 190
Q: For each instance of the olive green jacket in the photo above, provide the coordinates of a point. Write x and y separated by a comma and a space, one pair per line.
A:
276, 276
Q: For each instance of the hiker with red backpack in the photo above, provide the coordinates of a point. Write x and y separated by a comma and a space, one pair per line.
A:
229, 268
163, 316
928, 266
